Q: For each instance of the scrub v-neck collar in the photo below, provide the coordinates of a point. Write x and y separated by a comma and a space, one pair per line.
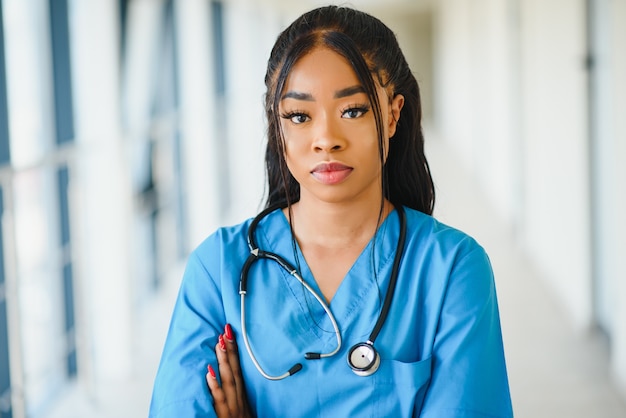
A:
359, 283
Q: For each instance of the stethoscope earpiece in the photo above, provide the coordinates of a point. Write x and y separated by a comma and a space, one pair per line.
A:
363, 359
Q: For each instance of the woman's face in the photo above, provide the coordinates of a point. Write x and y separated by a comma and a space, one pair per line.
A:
330, 130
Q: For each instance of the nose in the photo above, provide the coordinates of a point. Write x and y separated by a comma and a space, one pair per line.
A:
328, 136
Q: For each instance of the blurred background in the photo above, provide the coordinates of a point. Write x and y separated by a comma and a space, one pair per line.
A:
131, 129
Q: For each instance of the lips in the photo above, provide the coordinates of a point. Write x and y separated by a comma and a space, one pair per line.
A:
331, 173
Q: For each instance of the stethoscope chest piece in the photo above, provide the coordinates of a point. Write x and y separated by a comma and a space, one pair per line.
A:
363, 359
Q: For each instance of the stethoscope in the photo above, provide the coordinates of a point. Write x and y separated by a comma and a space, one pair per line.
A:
363, 358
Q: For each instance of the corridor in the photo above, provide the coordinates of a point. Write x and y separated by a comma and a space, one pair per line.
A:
554, 370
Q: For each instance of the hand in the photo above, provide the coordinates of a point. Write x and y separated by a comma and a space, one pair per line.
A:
229, 399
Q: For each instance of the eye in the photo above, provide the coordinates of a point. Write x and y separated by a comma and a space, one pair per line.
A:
355, 112
296, 118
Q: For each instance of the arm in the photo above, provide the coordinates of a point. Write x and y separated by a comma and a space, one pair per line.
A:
469, 377
197, 321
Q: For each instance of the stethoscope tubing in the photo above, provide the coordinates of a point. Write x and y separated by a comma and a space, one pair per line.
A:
256, 254
393, 280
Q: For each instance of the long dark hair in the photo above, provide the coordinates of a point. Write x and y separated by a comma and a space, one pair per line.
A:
372, 50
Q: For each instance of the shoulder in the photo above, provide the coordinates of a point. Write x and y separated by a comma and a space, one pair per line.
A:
427, 231
452, 257
458, 263
224, 245
224, 237
232, 242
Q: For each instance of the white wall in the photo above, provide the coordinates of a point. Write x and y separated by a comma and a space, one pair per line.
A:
413, 29
475, 82
197, 120
102, 196
608, 152
250, 32
537, 132
555, 136
223, 138
511, 96
617, 160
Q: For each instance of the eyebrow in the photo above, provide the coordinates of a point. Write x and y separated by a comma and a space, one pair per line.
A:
298, 96
348, 91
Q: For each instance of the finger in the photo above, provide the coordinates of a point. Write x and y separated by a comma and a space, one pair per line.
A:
235, 367
229, 385
219, 397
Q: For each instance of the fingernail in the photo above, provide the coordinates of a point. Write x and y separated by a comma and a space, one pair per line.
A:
222, 343
211, 371
229, 333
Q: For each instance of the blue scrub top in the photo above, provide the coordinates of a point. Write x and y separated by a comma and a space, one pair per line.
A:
441, 346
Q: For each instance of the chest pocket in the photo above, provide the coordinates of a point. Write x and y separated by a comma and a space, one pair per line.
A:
400, 387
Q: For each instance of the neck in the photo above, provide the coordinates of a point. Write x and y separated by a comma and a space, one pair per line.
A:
333, 225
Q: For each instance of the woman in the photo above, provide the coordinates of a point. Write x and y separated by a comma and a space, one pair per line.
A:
355, 301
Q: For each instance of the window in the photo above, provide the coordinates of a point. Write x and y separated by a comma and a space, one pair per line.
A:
38, 129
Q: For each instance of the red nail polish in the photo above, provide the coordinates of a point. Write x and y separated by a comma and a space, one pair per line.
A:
222, 343
229, 333
211, 371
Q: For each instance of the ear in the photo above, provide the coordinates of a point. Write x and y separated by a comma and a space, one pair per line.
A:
394, 114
